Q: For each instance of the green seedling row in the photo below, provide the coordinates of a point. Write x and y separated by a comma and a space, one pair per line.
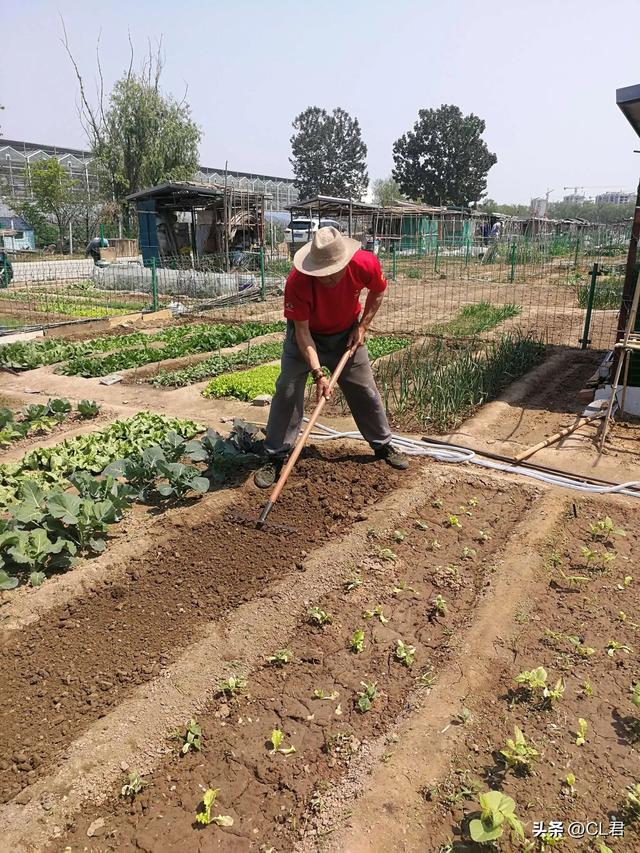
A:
247, 384
217, 365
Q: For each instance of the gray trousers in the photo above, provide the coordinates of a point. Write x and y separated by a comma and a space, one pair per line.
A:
356, 383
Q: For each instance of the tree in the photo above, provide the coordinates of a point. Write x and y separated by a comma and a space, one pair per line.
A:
52, 191
328, 154
140, 137
444, 159
386, 192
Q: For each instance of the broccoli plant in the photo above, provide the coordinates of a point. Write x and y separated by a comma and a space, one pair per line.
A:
518, 754
204, 816
365, 697
88, 409
58, 408
496, 810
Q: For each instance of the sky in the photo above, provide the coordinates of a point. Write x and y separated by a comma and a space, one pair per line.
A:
541, 74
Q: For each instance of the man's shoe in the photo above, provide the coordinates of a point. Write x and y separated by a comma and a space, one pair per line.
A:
265, 477
392, 457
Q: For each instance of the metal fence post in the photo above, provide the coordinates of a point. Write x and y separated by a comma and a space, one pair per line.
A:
263, 283
575, 257
512, 274
154, 285
585, 340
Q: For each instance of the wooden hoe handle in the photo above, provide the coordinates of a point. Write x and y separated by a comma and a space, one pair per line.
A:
302, 440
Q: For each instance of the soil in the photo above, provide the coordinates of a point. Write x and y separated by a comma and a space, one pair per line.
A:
82, 659
273, 798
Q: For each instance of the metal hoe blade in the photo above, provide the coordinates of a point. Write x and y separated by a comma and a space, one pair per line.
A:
245, 521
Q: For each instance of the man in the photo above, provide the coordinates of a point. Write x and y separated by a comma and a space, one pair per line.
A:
94, 246
322, 307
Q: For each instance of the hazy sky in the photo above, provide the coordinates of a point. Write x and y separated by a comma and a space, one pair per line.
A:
542, 74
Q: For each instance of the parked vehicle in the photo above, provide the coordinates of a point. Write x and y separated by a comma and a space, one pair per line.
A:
302, 230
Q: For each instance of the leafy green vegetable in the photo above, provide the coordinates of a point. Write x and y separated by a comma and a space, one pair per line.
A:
496, 809
204, 817
88, 408
218, 364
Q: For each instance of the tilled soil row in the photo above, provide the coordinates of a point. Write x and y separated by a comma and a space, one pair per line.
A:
273, 797
583, 627
81, 659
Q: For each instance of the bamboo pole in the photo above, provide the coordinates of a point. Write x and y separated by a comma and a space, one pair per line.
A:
557, 436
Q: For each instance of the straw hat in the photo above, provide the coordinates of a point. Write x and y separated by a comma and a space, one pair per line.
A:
328, 253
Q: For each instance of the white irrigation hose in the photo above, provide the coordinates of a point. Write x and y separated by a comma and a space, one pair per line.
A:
453, 453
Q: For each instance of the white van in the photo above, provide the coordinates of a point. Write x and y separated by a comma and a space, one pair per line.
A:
302, 230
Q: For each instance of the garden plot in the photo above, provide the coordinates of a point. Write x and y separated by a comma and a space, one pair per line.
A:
410, 593
157, 607
556, 725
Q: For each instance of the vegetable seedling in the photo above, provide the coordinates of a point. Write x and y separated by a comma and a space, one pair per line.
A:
518, 754
280, 657
532, 680
192, 738
435, 545
613, 646
631, 806
468, 553
635, 694
399, 535
604, 529
132, 786
388, 555
496, 810
483, 536
570, 781
353, 583
366, 696
626, 582
319, 693
403, 586
376, 612
473, 502
453, 521
437, 503
232, 685
553, 694
205, 817
405, 653
317, 616
275, 740
581, 733
421, 525
357, 641
587, 687
88, 409
440, 605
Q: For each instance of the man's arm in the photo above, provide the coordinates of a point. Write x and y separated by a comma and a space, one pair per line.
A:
307, 347
371, 306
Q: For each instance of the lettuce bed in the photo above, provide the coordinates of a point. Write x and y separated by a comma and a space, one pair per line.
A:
247, 384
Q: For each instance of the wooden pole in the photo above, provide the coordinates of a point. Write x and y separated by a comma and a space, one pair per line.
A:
557, 436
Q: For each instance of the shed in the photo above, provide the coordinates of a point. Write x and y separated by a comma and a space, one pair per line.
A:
16, 235
186, 218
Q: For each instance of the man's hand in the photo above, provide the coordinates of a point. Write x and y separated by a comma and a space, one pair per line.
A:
322, 388
356, 338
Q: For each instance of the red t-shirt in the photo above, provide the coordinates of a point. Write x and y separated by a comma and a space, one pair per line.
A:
332, 309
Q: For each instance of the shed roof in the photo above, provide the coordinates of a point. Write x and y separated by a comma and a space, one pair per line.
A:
192, 191
628, 99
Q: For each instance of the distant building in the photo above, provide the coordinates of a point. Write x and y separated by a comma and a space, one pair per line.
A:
16, 235
17, 156
574, 198
616, 197
538, 207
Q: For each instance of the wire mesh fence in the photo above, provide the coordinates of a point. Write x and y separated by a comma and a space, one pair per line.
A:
546, 279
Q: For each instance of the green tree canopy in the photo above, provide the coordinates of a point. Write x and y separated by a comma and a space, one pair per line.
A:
139, 135
328, 154
386, 192
52, 192
444, 159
